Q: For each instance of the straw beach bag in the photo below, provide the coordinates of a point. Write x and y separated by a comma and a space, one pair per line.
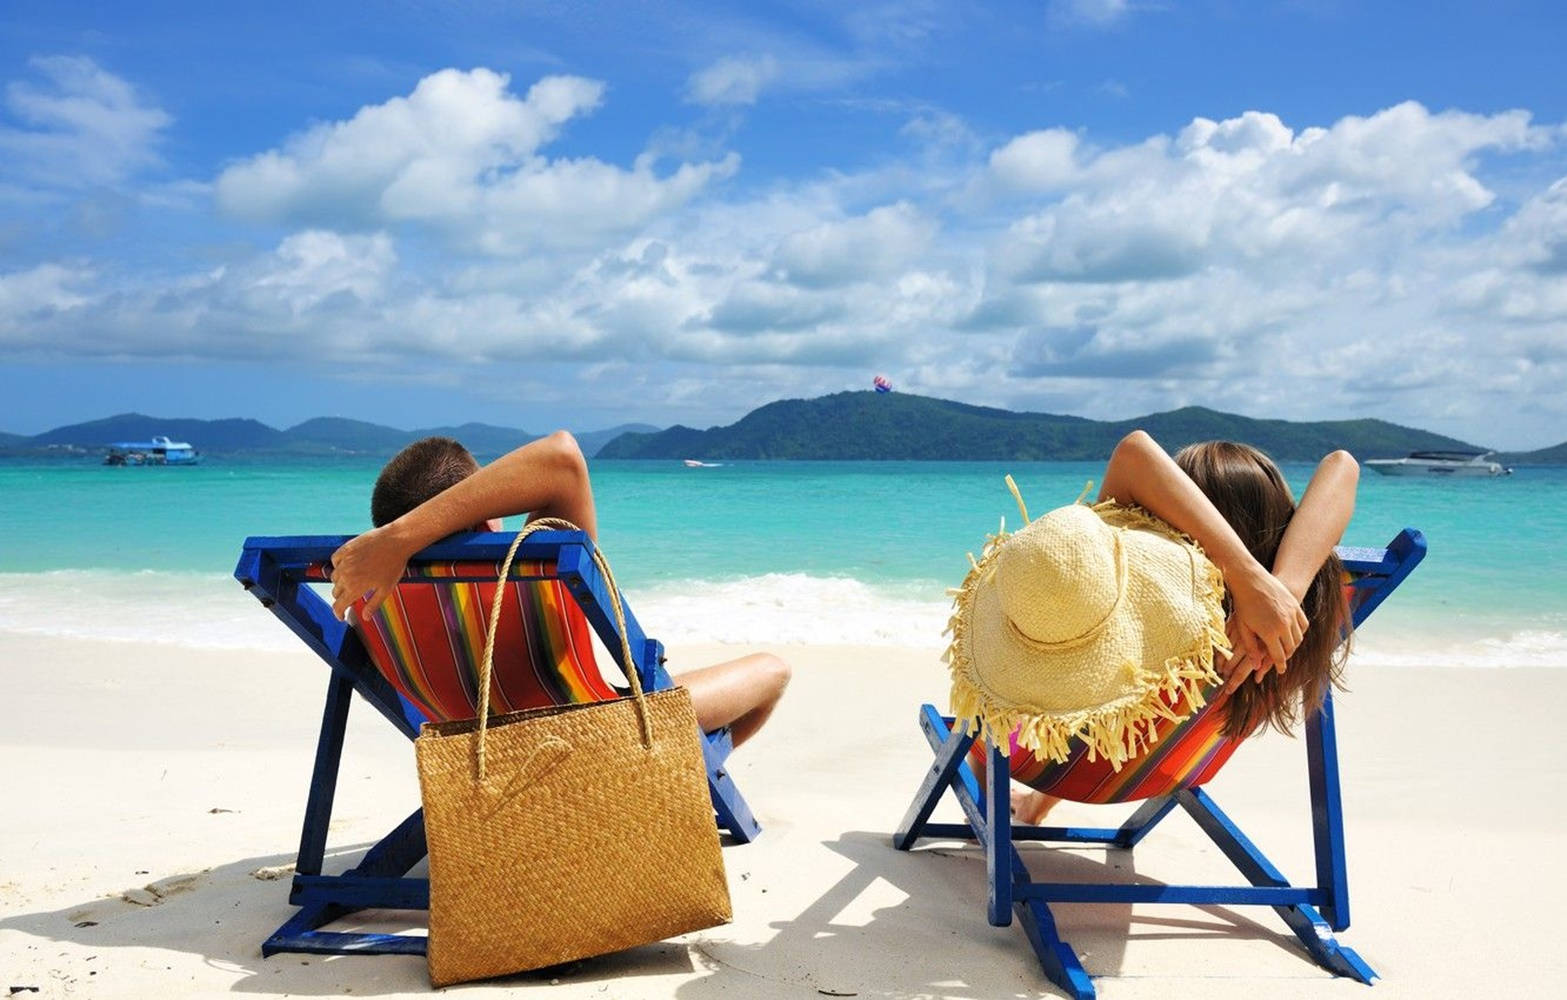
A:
564, 832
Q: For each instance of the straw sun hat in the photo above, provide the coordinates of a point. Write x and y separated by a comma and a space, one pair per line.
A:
1087, 624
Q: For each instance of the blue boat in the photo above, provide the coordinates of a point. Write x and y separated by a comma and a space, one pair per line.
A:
159, 451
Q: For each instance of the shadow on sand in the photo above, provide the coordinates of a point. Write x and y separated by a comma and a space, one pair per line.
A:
223, 914
902, 925
929, 937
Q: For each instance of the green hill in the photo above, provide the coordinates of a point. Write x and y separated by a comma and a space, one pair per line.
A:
330, 434
1554, 455
867, 425
205, 435
848, 425
318, 436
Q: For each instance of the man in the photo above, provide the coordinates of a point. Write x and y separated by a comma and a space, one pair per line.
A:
434, 487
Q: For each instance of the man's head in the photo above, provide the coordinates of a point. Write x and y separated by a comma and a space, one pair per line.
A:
416, 474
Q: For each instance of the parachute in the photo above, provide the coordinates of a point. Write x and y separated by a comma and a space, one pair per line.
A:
882, 383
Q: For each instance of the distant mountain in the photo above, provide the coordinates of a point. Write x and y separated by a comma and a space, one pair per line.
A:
487, 441
206, 435
319, 436
593, 442
330, 434
1554, 455
867, 425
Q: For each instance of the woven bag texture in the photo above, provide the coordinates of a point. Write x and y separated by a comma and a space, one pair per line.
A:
579, 841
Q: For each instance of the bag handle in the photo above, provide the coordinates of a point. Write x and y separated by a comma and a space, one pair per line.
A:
487, 664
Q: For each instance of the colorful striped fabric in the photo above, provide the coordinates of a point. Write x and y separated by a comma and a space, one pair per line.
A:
1188, 754
427, 639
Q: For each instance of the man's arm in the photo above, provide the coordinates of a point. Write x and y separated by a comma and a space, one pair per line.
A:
1267, 622
546, 478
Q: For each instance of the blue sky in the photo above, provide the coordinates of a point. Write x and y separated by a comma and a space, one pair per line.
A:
580, 214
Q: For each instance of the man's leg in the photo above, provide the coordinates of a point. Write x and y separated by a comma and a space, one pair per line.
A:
739, 693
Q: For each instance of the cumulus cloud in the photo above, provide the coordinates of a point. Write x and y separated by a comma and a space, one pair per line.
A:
461, 154
77, 125
877, 244
1037, 161
1372, 266
732, 80
1248, 191
27, 297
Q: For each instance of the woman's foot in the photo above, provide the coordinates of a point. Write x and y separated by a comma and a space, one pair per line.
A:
1031, 807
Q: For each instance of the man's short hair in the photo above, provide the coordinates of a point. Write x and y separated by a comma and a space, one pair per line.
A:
416, 474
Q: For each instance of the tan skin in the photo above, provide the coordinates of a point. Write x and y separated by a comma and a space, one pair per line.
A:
543, 478
1267, 622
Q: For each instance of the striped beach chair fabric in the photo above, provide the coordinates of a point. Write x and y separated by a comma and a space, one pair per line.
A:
429, 640
416, 659
1169, 773
1185, 756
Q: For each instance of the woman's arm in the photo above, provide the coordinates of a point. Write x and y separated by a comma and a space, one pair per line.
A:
1317, 526
1319, 522
547, 477
1267, 622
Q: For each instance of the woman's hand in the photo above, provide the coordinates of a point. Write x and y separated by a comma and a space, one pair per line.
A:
367, 566
1264, 629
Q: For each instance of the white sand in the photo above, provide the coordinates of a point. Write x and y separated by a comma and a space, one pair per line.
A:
180, 772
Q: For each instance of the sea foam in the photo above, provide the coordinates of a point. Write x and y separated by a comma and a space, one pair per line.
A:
212, 611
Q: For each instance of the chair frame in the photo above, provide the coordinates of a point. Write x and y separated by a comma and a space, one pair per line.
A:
1011, 887
274, 570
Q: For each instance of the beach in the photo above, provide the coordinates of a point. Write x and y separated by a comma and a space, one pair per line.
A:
155, 793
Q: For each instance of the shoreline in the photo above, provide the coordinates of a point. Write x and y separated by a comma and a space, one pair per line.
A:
135, 765
208, 611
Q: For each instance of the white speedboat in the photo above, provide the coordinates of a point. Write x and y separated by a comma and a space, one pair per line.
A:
1440, 464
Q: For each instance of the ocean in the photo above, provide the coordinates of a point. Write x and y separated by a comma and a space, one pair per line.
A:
762, 553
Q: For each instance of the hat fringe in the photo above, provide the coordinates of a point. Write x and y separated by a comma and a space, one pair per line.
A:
1120, 730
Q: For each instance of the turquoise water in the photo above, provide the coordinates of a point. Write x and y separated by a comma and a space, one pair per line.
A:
871, 543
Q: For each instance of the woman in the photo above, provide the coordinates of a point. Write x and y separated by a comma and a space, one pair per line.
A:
1286, 613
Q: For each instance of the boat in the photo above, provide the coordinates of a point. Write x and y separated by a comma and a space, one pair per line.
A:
1441, 464
692, 463
159, 451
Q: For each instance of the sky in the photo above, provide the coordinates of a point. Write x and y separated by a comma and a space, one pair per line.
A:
575, 214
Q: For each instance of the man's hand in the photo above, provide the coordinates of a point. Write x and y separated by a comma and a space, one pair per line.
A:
367, 566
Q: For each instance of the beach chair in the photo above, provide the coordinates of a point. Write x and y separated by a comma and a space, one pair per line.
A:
1170, 774
416, 660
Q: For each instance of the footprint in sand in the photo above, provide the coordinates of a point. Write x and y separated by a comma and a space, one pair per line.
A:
273, 873
154, 893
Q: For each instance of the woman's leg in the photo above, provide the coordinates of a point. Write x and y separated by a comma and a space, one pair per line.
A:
740, 694
1028, 806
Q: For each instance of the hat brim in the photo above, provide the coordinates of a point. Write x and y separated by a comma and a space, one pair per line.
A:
1111, 690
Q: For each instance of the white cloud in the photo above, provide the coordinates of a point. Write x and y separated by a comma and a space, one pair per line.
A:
1087, 13
79, 126
1037, 161
1373, 266
27, 297
1248, 192
461, 154
875, 245
732, 80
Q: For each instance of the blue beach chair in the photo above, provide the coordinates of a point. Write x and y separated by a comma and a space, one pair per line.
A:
1175, 768
415, 660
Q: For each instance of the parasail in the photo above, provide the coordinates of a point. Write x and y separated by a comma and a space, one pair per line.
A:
882, 383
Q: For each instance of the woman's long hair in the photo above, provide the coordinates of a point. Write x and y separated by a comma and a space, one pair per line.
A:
1249, 491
